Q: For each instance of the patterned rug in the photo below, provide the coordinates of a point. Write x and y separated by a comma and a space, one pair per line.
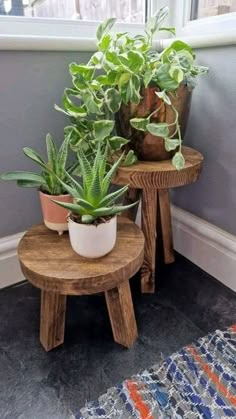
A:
199, 381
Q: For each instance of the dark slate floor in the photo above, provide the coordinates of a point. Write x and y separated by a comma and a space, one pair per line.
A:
39, 385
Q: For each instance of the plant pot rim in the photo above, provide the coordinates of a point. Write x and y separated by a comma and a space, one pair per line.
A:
53, 196
69, 219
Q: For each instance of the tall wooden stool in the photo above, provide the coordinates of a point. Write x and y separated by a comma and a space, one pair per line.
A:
48, 262
151, 181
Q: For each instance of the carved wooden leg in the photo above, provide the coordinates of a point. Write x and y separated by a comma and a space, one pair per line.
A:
52, 319
121, 313
132, 195
149, 210
164, 203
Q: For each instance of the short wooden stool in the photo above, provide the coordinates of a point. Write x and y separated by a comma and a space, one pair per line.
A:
48, 262
151, 181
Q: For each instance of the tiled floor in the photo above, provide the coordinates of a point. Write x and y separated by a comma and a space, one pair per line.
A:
39, 385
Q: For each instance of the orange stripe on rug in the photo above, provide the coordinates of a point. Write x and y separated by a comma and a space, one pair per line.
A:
138, 402
212, 376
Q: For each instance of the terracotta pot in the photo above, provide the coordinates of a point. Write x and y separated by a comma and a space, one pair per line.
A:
93, 241
145, 145
54, 216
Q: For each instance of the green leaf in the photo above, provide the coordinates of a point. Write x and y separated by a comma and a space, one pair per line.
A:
96, 58
112, 57
130, 158
124, 78
105, 27
178, 160
113, 99
199, 70
71, 108
62, 156
31, 184
154, 23
103, 128
112, 197
177, 46
75, 208
148, 75
171, 30
164, 81
160, 130
176, 73
109, 176
51, 151
105, 42
162, 95
23, 176
117, 142
88, 219
139, 123
86, 71
35, 157
90, 103
171, 143
135, 60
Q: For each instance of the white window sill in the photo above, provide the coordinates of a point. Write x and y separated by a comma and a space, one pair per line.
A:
76, 43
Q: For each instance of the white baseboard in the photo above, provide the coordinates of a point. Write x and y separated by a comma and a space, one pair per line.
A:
10, 272
209, 247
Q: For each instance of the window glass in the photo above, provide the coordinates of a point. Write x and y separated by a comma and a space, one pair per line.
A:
124, 10
207, 8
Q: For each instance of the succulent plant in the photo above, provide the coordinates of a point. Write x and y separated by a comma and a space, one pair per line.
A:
92, 198
47, 181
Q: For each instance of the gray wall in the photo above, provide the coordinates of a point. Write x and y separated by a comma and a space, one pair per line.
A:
31, 82
212, 130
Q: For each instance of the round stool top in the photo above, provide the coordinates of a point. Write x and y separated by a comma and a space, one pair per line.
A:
48, 261
161, 174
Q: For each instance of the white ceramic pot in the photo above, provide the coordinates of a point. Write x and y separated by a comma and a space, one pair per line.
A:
93, 241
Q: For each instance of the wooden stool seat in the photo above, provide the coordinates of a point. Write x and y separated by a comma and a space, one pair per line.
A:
151, 181
48, 262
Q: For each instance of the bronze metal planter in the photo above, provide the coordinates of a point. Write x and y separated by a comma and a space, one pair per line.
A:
145, 145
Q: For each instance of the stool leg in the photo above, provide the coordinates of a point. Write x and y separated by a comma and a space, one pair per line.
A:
52, 319
164, 203
149, 210
132, 195
121, 313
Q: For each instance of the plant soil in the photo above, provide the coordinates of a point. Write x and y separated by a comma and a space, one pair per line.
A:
100, 220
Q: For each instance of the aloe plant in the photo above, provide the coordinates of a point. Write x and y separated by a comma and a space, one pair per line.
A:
92, 198
47, 180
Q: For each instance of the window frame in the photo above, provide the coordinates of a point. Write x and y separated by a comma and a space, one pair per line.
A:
22, 32
220, 24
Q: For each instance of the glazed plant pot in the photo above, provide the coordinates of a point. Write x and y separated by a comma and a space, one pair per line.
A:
93, 241
145, 145
54, 216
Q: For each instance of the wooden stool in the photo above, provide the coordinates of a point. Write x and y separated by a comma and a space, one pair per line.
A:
48, 262
151, 181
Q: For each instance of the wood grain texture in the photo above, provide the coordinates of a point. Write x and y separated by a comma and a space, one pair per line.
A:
147, 175
52, 319
121, 313
48, 261
166, 228
149, 215
131, 196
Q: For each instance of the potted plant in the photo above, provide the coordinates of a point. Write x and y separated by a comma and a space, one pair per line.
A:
145, 91
55, 218
93, 215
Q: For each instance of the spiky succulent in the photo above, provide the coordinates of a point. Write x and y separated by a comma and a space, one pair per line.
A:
47, 180
92, 198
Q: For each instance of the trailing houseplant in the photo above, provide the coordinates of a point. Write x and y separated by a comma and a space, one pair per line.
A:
146, 92
93, 214
47, 181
